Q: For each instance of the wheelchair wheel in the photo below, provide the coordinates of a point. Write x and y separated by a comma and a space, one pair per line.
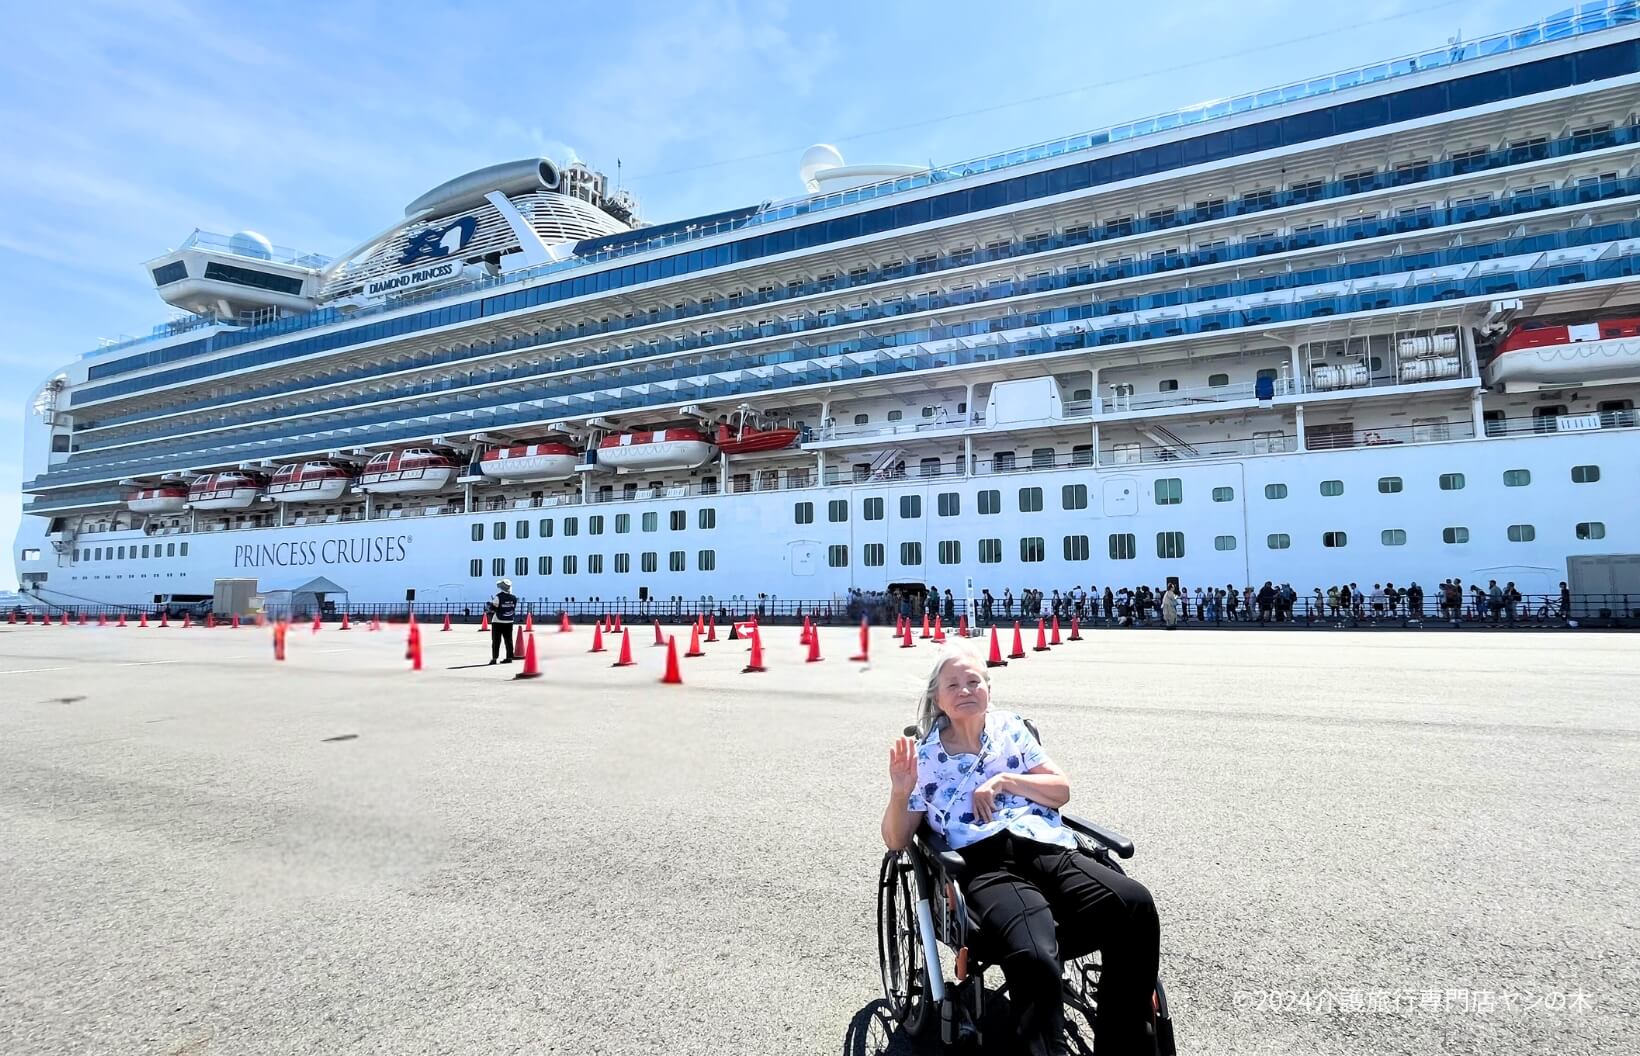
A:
899, 945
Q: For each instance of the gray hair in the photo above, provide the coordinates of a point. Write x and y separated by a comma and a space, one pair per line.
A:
928, 705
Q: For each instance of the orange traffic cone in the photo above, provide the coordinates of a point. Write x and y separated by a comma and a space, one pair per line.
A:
962, 626
210, 619
597, 638
279, 640
235, 624
803, 639
1055, 639
814, 646
316, 623
518, 641
375, 623
529, 623
711, 628
564, 626
618, 626
102, 619
532, 666
694, 641
905, 636
142, 619
1019, 644
164, 618
925, 634
11, 617
1076, 630
626, 651
939, 630
995, 659
672, 677
261, 620
347, 622
446, 622
755, 664
186, 622
122, 620
483, 623
660, 639
1041, 637
864, 655
415, 646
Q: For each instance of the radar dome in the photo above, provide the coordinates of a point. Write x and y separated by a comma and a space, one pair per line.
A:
818, 159
250, 244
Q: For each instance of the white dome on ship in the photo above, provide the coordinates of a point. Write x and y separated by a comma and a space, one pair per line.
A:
822, 168
250, 244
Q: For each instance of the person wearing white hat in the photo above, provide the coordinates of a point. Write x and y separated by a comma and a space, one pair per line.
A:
503, 609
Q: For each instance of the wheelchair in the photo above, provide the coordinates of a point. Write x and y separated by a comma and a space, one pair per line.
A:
921, 908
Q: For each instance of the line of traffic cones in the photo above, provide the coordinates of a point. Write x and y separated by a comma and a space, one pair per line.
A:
625, 659
755, 664
864, 655
672, 676
532, 663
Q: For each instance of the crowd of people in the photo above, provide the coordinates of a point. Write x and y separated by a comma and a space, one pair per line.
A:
1172, 603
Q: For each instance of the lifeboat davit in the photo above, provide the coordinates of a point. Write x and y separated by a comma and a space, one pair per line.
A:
413, 471
318, 481
661, 449
230, 490
747, 438
167, 498
1536, 354
529, 461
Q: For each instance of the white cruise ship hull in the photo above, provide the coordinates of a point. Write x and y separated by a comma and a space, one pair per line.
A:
758, 548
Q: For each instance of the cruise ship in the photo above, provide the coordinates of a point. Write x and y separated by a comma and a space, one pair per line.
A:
1377, 325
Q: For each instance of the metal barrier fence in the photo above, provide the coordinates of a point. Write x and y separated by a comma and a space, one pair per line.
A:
1533, 610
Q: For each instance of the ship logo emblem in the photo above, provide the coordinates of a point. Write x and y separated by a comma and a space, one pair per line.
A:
435, 243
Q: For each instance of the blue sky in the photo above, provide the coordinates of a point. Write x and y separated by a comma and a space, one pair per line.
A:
126, 126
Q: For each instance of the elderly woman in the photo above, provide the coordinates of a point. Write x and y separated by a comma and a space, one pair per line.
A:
979, 778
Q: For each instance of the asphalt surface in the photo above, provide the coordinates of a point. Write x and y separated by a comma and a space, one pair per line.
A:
1359, 842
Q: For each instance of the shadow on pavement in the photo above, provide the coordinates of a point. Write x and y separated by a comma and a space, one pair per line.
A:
873, 1032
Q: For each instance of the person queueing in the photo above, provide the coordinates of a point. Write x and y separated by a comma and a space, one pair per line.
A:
978, 777
502, 609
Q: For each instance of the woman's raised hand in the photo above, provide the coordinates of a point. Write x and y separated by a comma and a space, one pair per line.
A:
902, 765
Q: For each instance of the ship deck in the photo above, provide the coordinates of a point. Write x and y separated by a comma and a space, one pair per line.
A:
197, 861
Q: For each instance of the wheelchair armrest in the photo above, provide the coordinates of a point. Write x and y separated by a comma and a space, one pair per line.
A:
949, 861
1121, 845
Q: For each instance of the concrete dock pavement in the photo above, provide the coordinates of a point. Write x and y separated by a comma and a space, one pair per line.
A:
209, 852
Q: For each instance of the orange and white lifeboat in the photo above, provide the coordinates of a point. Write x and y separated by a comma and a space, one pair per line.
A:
166, 498
412, 471
230, 490
321, 480
1540, 354
539, 460
661, 449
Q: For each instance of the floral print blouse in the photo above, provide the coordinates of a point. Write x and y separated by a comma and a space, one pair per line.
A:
946, 783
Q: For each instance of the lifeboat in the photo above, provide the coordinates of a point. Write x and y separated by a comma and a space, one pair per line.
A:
412, 471
231, 490
661, 449
167, 498
1537, 354
539, 460
749, 436
318, 481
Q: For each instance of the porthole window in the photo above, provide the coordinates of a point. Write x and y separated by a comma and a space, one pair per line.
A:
1451, 481
1278, 541
910, 553
950, 552
1585, 474
1332, 488
1123, 547
1031, 549
1073, 497
1275, 491
1334, 540
478, 533
1517, 478
1591, 530
1218, 381
990, 502
949, 503
837, 556
1224, 494
990, 551
1393, 537
1454, 535
802, 513
1224, 542
1076, 548
1030, 500
871, 555
1389, 485
1169, 545
1522, 533
1169, 491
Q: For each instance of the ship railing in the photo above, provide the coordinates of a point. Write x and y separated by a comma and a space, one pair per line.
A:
1537, 425
1122, 397
1137, 452
1432, 431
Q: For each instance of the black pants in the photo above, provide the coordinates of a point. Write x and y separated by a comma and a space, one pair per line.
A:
501, 636
1019, 889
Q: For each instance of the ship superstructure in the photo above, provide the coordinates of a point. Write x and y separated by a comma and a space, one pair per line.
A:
1369, 325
